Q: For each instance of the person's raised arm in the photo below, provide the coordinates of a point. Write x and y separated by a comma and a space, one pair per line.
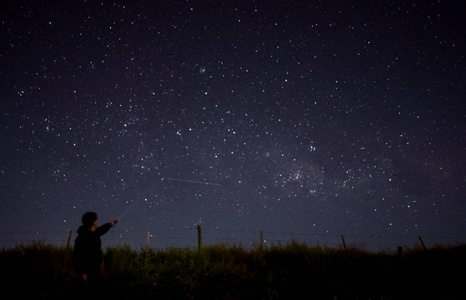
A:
105, 228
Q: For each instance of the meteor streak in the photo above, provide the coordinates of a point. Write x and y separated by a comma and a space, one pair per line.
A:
192, 181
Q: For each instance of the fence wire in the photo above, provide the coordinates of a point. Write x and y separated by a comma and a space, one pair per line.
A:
189, 237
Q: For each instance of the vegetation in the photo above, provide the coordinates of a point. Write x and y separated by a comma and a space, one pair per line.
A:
291, 271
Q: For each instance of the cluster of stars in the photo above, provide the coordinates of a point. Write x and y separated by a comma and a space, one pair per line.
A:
296, 117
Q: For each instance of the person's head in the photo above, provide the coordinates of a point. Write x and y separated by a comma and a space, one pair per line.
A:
89, 220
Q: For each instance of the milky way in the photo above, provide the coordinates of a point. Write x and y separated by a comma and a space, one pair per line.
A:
307, 120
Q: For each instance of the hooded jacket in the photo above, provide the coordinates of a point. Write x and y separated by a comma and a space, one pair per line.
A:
87, 255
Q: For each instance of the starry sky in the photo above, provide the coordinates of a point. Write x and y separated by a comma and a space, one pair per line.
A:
310, 119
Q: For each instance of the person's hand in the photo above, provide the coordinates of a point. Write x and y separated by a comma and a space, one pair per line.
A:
113, 223
84, 277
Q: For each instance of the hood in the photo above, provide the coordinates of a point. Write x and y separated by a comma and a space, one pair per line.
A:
83, 230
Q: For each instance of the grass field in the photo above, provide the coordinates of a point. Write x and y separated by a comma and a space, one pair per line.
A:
291, 271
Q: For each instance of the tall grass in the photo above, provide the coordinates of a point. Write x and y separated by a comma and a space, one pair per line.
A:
231, 272
40, 270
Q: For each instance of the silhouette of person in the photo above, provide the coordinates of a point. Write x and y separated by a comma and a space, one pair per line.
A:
87, 255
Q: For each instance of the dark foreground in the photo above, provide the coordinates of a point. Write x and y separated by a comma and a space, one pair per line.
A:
292, 271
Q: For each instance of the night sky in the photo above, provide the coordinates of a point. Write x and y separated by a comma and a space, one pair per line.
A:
304, 119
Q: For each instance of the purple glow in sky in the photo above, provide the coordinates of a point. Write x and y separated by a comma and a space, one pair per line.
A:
311, 118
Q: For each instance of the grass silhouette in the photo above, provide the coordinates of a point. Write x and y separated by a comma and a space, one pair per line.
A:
221, 271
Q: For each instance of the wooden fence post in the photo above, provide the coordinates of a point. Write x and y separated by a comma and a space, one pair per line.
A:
69, 240
262, 240
67, 253
343, 240
147, 246
422, 243
199, 237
